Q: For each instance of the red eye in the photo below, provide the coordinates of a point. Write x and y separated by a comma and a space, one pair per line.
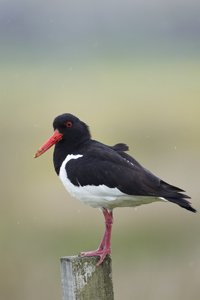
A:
68, 124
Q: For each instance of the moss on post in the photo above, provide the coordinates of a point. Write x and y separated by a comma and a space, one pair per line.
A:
83, 280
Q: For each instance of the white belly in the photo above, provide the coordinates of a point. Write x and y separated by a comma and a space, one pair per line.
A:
101, 195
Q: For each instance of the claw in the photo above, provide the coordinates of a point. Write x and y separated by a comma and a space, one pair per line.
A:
101, 253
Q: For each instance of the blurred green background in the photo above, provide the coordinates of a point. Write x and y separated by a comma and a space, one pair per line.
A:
131, 70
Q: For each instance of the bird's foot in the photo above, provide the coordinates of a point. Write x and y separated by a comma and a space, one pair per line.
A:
102, 253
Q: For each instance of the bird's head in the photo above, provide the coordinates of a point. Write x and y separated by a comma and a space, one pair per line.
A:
67, 128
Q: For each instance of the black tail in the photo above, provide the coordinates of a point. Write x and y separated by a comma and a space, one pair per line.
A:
175, 195
181, 202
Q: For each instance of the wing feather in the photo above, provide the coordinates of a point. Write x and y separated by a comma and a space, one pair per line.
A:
111, 166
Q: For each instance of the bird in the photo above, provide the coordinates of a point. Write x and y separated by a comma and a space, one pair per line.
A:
103, 176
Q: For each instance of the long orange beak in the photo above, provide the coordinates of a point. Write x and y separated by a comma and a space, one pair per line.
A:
56, 137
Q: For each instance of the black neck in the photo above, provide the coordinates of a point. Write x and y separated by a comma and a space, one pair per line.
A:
63, 148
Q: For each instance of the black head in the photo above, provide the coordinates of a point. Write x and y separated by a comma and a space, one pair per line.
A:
72, 128
69, 132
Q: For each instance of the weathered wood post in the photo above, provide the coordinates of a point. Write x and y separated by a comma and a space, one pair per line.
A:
83, 280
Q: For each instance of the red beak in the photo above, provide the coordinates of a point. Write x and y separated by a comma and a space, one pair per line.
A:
56, 137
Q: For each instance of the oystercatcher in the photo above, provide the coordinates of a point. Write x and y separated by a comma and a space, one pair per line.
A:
104, 176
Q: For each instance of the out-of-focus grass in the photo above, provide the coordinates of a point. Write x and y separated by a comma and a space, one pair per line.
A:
151, 105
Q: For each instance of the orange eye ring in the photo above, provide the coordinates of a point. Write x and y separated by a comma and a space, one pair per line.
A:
68, 124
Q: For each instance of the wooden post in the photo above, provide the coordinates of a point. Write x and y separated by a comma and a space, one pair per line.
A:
83, 280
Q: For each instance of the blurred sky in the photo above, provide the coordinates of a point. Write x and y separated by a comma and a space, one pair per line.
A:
99, 27
131, 70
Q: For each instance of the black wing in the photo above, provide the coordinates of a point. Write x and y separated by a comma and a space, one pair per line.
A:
103, 165
169, 192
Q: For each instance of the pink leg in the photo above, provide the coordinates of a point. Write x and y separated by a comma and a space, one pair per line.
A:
104, 247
